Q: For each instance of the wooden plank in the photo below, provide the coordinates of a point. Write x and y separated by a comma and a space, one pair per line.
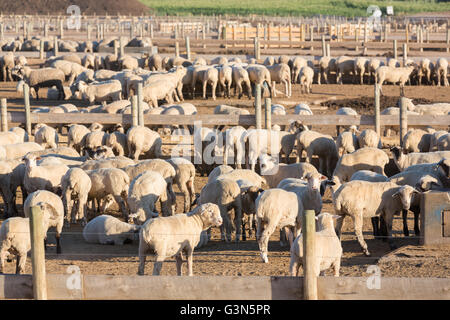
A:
15, 286
193, 288
64, 287
210, 120
356, 288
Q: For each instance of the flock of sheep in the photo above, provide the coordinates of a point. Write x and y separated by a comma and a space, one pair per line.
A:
105, 164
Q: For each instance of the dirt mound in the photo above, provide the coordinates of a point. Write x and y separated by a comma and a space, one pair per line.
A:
367, 104
88, 7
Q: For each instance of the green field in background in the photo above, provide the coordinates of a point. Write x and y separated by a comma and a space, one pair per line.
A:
347, 8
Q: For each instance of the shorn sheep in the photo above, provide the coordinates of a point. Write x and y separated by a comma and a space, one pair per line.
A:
107, 229
363, 199
328, 248
175, 235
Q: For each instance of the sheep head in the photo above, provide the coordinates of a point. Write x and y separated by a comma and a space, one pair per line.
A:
209, 214
405, 193
314, 180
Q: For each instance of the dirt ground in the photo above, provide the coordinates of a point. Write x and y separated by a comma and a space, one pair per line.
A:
221, 258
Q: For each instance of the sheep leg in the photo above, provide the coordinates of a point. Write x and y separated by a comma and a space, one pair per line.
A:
21, 259
123, 207
416, 212
179, 261
294, 266
358, 223
58, 243
142, 257
375, 226
237, 220
189, 255
264, 241
405, 222
337, 267
204, 89
388, 221
213, 89
157, 266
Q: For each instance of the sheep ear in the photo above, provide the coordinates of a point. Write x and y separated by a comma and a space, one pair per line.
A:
395, 194
317, 218
323, 178
335, 216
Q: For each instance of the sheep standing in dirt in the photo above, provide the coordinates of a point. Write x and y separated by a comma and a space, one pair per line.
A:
240, 76
46, 136
274, 208
53, 208
435, 138
372, 159
362, 199
373, 66
347, 141
100, 91
344, 65
282, 74
144, 191
360, 67
143, 141
225, 80
404, 161
234, 142
226, 194
441, 70
260, 75
296, 64
393, 75
306, 78
326, 65
42, 78
107, 229
43, 177
75, 137
417, 140
118, 142
328, 248
425, 68
184, 178
369, 138
15, 240
171, 236
109, 181
76, 185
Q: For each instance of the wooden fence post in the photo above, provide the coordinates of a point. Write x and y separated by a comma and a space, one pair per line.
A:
134, 111
55, 46
204, 36
447, 39
26, 102
258, 106
405, 53
188, 48
309, 252
38, 253
140, 105
268, 106
377, 109
61, 29
256, 49
395, 49
122, 48
403, 119
177, 49
324, 48
328, 50
311, 36
89, 32
46, 30
4, 114
407, 33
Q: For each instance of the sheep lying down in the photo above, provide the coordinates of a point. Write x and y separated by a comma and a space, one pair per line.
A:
107, 229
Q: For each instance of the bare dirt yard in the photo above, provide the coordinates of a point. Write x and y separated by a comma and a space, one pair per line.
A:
221, 258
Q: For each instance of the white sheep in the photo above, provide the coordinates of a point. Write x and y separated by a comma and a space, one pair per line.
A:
76, 185
171, 236
226, 194
144, 191
443, 143
184, 178
416, 140
109, 181
274, 172
347, 141
441, 70
431, 109
46, 136
274, 208
363, 199
306, 77
434, 139
393, 75
53, 209
219, 170
100, 91
328, 251
345, 111
404, 161
235, 144
372, 159
21, 133
142, 140
9, 138
394, 111
15, 240
75, 136
43, 177
107, 229
369, 138
18, 150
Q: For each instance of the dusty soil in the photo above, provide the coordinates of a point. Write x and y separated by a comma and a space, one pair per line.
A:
221, 258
